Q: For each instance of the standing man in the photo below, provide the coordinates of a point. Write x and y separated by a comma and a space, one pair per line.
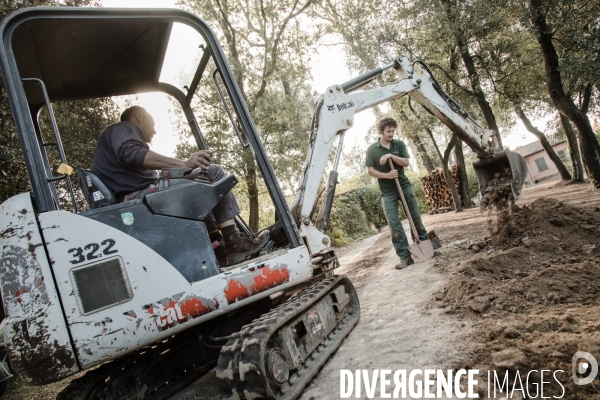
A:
126, 165
378, 167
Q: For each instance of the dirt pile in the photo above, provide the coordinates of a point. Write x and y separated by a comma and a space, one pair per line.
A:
535, 296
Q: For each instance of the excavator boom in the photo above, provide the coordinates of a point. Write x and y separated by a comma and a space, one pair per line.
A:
334, 114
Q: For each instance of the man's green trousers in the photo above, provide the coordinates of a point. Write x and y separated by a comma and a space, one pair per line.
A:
390, 201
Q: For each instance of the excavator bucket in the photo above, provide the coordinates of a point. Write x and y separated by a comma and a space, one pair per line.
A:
503, 163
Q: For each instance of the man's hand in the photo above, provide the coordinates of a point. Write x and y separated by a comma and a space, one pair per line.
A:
384, 158
382, 175
200, 159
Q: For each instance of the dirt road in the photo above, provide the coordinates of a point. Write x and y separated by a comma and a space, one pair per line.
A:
396, 330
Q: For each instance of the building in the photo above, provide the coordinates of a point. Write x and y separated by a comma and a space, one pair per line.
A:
539, 165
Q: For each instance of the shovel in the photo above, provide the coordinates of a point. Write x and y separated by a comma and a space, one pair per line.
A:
422, 249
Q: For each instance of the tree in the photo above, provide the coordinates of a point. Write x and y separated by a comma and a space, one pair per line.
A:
413, 136
268, 50
453, 13
444, 159
546, 34
371, 41
574, 153
465, 193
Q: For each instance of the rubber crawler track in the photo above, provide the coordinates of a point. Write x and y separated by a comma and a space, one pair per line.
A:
241, 366
133, 371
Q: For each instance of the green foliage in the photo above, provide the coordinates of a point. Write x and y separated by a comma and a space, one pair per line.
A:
370, 202
349, 215
269, 52
79, 123
12, 166
338, 237
472, 177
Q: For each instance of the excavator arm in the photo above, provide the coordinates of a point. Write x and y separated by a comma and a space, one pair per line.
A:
334, 114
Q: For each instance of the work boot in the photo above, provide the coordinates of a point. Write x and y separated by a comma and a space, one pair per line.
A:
242, 247
221, 254
405, 262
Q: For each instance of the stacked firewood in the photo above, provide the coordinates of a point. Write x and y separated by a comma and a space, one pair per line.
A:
437, 193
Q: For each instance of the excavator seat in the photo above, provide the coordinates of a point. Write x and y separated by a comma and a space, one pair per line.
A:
96, 193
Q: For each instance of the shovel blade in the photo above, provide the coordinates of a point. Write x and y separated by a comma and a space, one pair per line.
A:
422, 250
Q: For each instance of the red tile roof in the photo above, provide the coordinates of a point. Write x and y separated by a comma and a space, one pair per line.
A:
536, 147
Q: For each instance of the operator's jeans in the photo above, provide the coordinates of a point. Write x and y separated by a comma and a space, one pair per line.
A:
390, 202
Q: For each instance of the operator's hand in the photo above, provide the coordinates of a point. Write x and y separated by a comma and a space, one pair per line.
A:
384, 159
392, 174
200, 159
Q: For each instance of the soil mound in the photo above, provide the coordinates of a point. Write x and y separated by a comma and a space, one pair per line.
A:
536, 296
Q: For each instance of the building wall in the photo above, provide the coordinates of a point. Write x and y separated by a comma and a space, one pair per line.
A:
534, 172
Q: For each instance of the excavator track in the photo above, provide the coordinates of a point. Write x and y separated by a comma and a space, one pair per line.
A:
278, 354
153, 373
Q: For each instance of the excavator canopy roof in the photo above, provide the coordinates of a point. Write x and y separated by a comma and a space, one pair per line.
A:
83, 54
77, 59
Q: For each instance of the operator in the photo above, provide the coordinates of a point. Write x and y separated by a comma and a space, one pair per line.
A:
378, 167
126, 164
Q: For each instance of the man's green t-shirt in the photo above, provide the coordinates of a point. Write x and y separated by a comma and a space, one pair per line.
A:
374, 154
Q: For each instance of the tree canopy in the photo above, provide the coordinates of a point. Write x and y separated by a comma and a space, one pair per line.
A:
268, 45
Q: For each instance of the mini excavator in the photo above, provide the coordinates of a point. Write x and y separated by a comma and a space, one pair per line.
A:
132, 292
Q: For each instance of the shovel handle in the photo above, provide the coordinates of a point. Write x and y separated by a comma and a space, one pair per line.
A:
406, 210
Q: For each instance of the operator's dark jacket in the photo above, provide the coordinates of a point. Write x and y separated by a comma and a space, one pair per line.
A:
119, 159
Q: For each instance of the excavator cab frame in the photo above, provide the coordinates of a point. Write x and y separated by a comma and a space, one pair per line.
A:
61, 53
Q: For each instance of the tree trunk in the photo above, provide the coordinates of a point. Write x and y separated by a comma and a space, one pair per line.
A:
584, 106
562, 102
462, 174
562, 170
446, 157
422, 153
585, 166
420, 148
597, 147
474, 79
573, 149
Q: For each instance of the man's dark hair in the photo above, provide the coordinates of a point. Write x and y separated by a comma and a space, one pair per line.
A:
384, 123
130, 112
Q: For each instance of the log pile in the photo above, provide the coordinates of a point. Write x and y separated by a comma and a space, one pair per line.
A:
437, 192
